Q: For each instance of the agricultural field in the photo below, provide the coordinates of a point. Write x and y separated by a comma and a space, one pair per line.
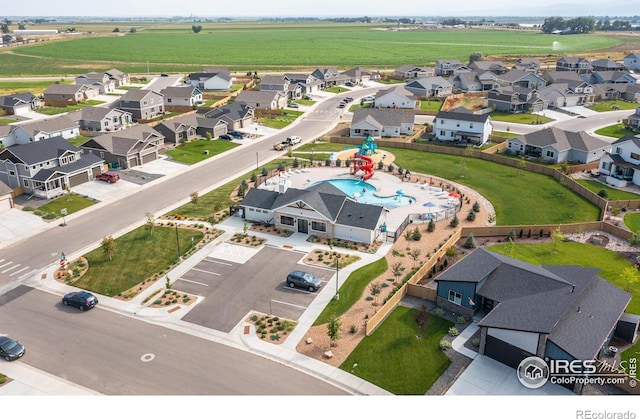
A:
252, 47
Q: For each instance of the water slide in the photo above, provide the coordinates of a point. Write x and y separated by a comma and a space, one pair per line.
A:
366, 168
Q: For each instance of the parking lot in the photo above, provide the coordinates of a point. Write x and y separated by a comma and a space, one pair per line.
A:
233, 287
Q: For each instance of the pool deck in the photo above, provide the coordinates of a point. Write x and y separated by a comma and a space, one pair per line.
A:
386, 186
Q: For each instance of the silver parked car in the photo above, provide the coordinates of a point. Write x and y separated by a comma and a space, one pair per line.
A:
304, 280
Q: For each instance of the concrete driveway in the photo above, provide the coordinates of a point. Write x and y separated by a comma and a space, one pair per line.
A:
486, 376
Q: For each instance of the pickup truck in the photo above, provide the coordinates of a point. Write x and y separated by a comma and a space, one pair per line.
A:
287, 143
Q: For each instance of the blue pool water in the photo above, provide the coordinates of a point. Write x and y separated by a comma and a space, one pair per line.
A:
366, 193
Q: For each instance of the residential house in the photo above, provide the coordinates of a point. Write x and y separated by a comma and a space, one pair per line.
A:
330, 77
379, 123
308, 83
120, 79
430, 87
100, 81
559, 95
94, 120
220, 80
68, 94
19, 103
555, 312
142, 104
608, 91
45, 169
622, 165
321, 210
7, 136
578, 65
396, 97
496, 67
361, 75
628, 92
213, 126
632, 61
474, 81
598, 77
181, 98
236, 115
521, 78
262, 99
410, 72
606, 64
6, 197
527, 64
554, 145
281, 84
445, 68
180, 129
514, 99
633, 121
127, 148
7, 39
42, 129
462, 126
563, 77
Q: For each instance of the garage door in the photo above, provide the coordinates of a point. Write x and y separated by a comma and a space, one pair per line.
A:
149, 157
78, 179
504, 352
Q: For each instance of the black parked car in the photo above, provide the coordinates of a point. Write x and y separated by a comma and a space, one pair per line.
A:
10, 349
303, 280
226, 137
236, 134
82, 299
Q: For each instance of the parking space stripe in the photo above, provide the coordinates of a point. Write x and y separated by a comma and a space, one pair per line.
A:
289, 304
207, 272
194, 282
217, 261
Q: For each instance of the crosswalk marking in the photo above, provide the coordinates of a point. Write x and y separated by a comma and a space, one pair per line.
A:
17, 272
11, 268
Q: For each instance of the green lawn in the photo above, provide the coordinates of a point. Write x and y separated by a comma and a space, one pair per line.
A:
138, 255
351, 290
504, 134
609, 262
613, 105
400, 356
520, 118
282, 120
518, 196
613, 194
632, 221
430, 105
5, 121
72, 202
79, 140
615, 131
194, 151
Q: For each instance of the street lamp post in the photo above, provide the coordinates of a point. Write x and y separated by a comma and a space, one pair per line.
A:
256, 160
337, 296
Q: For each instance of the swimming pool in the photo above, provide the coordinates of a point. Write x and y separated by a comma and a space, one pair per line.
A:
365, 193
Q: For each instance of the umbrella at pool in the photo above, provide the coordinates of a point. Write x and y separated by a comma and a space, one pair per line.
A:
429, 205
400, 192
454, 195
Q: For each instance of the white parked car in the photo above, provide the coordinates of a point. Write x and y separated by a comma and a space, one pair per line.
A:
294, 140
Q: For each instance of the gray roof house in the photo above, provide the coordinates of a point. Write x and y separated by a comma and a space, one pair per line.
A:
281, 84
179, 98
410, 72
617, 76
462, 126
578, 65
521, 78
496, 67
262, 99
94, 120
218, 80
68, 94
445, 68
396, 97
514, 99
550, 311
381, 123
179, 129
622, 165
474, 81
321, 210
569, 93
330, 76
42, 129
632, 61
236, 115
527, 64
307, 82
555, 145
126, 148
120, 78
606, 64
633, 120
101, 81
361, 75
430, 87
19, 103
47, 168
142, 104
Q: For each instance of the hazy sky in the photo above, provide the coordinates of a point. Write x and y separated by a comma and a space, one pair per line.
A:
323, 8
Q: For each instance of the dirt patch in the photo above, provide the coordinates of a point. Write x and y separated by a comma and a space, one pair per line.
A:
467, 101
170, 298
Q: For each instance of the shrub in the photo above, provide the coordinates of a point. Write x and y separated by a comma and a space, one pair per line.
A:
453, 331
254, 318
635, 239
602, 193
476, 207
444, 345
511, 235
440, 311
451, 252
475, 342
416, 235
353, 329
431, 227
471, 216
471, 242
454, 221
461, 320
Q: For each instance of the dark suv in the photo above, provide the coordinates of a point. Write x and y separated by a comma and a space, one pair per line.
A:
81, 299
303, 280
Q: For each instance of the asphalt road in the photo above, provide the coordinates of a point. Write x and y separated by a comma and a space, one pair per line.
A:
117, 355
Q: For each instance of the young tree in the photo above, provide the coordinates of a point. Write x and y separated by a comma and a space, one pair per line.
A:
151, 222
397, 269
196, 28
630, 275
414, 254
510, 246
454, 221
556, 236
108, 246
432, 226
470, 243
195, 197
333, 330
375, 289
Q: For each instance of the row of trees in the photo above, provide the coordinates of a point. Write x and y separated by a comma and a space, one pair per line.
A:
572, 26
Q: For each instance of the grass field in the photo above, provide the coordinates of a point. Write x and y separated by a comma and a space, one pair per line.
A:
400, 356
252, 47
194, 151
72, 203
613, 105
632, 221
609, 262
615, 131
613, 194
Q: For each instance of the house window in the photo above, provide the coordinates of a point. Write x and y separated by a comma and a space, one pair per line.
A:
318, 226
618, 150
550, 153
288, 221
12, 173
442, 133
455, 297
471, 125
25, 183
605, 165
169, 100
635, 156
144, 103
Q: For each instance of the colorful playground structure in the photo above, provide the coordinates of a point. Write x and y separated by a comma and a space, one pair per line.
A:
361, 159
